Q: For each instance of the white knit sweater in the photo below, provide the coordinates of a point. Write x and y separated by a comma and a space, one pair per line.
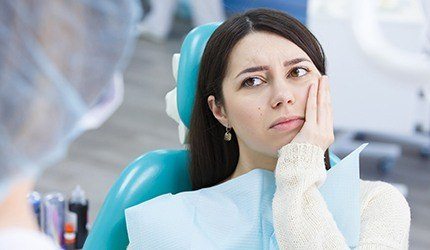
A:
307, 223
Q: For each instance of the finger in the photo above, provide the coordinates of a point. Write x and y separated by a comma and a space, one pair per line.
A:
329, 107
329, 121
322, 103
328, 103
311, 104
329, 114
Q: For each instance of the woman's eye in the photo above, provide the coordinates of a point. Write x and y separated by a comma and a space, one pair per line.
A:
252, 82
298, 72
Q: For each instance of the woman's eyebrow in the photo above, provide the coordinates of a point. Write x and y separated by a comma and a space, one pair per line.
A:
264, 68
295, 61
253, 69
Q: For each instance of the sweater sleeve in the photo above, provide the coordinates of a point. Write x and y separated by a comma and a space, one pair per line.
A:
301, 217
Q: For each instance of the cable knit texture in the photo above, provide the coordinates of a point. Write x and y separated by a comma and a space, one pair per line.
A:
301, 218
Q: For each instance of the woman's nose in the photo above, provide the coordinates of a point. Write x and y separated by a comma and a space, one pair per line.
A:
282, 94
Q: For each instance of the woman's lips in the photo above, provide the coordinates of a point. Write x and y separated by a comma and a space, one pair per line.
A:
290, 125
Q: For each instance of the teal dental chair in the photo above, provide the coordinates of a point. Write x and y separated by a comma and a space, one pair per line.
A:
157, 172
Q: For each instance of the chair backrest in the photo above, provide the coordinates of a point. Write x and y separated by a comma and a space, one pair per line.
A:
153, 174
157, 172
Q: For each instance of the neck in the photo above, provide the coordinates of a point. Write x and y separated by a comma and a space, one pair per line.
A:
250, 160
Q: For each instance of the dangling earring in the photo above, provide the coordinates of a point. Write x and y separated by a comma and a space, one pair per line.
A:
227, 135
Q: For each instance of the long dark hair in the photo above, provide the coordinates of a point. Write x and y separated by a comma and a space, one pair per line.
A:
212, 159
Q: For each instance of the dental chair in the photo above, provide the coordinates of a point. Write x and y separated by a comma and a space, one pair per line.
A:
161, 171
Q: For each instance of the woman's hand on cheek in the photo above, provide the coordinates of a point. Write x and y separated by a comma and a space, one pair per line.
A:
318, 126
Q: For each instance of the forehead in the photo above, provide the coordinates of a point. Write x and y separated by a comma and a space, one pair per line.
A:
258, 48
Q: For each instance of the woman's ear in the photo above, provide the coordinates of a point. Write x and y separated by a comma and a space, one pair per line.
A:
218, 111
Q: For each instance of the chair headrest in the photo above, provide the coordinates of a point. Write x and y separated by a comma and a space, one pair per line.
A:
188, 69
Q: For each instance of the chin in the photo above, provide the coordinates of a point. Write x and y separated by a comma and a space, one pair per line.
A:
275, 148
285, 141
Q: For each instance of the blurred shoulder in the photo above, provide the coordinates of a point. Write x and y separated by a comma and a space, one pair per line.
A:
383, 196
373, 189
385, 216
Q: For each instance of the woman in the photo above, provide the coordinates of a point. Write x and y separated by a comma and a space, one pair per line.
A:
263, 105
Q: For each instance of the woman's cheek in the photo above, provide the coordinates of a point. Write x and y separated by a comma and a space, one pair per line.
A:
248, 117
250, 122
303, 93
311, 79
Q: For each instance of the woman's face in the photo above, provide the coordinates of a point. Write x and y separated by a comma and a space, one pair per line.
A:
267, 78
